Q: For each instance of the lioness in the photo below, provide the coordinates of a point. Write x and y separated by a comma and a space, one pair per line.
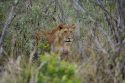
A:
60, 38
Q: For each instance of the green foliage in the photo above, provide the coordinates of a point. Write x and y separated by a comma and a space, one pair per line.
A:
56, 71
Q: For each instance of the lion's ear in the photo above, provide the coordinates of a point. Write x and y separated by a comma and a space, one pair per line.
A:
60, 26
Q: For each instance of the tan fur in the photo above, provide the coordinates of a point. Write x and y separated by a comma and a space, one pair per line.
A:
60, 38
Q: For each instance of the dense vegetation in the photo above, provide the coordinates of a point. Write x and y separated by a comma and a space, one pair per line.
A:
98, 46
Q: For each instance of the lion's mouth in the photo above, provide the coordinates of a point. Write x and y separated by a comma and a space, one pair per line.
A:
68, 41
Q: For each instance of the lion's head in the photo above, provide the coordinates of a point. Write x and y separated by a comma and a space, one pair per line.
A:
65, 33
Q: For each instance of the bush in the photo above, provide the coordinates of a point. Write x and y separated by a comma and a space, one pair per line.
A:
55, 71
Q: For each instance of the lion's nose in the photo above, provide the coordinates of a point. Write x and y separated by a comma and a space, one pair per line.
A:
69, 38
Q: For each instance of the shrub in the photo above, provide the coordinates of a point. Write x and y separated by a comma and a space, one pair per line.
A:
55, 71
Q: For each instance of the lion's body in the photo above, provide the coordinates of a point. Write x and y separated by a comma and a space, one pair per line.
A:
60, 38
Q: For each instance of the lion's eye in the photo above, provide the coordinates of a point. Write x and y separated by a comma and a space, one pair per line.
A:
70, 31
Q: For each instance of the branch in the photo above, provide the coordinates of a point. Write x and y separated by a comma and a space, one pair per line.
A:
61, 9
101, 5
7, 23
80, 8
77, 6
99, 44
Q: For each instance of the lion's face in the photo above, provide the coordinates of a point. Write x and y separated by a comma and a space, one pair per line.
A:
66, 33
63, 38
